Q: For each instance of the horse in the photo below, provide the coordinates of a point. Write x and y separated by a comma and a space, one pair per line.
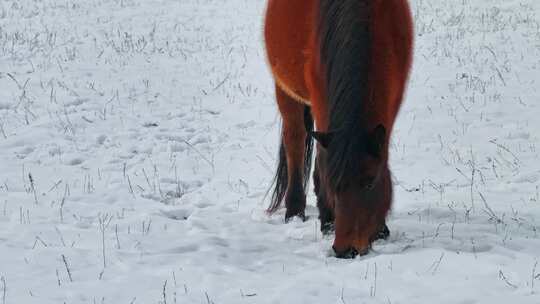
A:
340, 70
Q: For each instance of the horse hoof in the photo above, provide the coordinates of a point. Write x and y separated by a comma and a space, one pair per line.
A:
327, 228
382, 234
302, 216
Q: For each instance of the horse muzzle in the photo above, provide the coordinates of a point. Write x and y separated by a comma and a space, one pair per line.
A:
349, 253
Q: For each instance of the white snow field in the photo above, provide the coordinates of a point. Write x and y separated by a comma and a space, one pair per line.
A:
138, 138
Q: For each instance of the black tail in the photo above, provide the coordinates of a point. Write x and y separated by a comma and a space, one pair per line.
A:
308, 154
345, 51
280, 179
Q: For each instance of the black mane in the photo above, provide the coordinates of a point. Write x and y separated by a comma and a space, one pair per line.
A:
345, 39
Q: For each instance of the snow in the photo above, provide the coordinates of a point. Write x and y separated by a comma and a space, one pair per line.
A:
150, 133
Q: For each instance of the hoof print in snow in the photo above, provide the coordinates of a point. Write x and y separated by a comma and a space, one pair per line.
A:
177, 215
75, 162
150, 125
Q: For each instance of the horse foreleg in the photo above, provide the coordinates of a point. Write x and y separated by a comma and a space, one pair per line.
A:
294, 137
326, 214
382, 232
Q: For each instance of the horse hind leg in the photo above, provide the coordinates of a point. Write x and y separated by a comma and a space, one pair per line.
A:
295, 156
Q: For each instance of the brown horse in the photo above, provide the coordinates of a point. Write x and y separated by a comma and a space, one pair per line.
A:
343, 64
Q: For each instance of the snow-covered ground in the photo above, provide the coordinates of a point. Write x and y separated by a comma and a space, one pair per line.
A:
138, 138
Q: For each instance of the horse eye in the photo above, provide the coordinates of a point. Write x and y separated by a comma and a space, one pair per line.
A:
370, 186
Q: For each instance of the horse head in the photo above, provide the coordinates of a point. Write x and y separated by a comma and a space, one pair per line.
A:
356, 180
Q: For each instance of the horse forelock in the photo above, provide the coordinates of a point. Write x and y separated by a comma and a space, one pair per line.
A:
345, 52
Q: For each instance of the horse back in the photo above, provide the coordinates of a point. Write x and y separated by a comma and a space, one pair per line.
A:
392, 49
289, 24
293, 52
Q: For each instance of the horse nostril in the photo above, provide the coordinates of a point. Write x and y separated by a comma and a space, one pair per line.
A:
350, 253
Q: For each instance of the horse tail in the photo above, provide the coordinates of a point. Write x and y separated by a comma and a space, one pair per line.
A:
281, 178
308, 152
344, 37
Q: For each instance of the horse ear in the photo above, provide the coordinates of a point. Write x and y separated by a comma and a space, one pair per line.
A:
377, 140
322, 138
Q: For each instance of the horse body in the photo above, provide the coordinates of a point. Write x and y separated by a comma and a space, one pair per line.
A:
345, 63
